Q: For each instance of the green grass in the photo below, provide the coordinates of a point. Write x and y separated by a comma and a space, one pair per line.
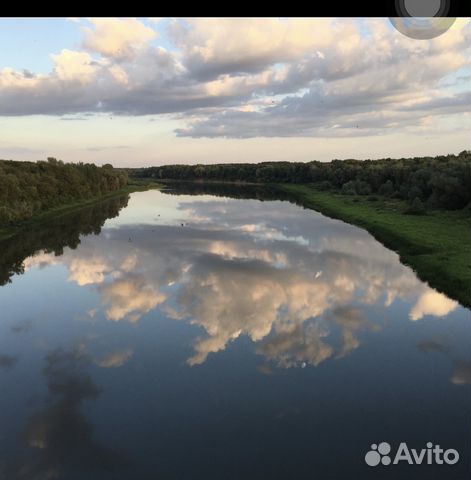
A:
134, 185
436, 245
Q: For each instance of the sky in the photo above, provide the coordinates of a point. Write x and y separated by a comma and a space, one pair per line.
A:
151, 91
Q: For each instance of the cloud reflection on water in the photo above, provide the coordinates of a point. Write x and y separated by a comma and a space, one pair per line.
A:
286, 278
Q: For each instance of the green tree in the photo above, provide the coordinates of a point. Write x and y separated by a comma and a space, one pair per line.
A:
417, 207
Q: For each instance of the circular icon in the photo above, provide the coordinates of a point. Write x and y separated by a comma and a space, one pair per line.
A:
422, 8
422, 28
384, 448
378, 454
422, 19
372, 458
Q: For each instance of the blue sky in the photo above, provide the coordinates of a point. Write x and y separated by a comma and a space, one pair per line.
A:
151, 91
28, 43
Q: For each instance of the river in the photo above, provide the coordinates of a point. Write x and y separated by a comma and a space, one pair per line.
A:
177, 336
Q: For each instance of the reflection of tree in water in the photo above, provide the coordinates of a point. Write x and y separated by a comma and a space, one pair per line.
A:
60, 435
239, 190
55, 234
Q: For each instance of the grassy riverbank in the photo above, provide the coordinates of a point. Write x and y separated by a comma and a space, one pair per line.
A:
134, 185
436, 245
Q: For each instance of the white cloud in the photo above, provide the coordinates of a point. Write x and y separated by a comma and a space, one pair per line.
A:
74, 66
256, 276
40, 260
118, 38
433, 303
214, 46
244, 78
115, 359
155, 19
129, 299
86, 271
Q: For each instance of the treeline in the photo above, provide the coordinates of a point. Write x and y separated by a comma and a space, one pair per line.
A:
28, 188
442, 182
245, 191
53, 235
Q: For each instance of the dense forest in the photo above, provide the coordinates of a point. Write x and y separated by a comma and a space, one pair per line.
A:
53, 235
28, 188
442, 182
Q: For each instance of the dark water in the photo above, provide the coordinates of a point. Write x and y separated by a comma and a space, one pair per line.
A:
205, 337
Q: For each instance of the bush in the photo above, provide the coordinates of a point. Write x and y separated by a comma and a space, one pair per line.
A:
396, 196
325, 185
349, 188
386, 189
362, 188
415, 192
417, 207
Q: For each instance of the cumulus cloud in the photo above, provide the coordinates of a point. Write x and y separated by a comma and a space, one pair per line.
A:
244, 78
118, 38
297, 345
218, 46
115, 359
40, 260
87, 271
73, 66
130, 298
433, 303
352, 320
260, 272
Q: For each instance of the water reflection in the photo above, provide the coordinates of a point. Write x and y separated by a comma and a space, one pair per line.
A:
195, 334
461, 369
23, 327
59, 433
115, 359
432, 303
291, 281
54, 235
7, 361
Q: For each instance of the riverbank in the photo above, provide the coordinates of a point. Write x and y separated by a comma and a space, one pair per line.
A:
134, 185
436, 245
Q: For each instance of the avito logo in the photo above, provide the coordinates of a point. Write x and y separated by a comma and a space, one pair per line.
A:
433, 454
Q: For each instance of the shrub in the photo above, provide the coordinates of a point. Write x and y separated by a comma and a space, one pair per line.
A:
417, 207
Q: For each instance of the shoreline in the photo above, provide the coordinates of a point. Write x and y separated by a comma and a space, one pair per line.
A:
16, 229
437, 246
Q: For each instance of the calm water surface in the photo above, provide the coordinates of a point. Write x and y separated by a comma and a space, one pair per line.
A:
204, 337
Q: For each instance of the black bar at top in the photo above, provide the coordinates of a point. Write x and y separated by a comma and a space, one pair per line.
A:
389, 8
314, 8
